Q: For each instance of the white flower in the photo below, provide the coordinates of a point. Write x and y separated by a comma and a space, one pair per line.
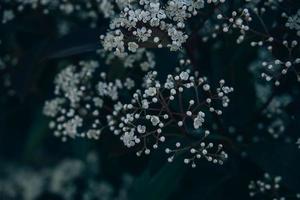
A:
184, 76
93, 134
129, 83
169, 83
293, 22
132, 46
52, 107
151, 91
199, 120
155, 120
107, 8
71, 126
129, 139
143, 34
145, 104
98, 102
141, 129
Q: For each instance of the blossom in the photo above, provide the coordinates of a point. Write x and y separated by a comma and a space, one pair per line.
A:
141, 129
150, 91
60, 179
52, 107
152, 105
76, 98
155, 120
142, 58
199, 120
152, 22
269, 187
293, 22
132, 46
79, 10
129, 139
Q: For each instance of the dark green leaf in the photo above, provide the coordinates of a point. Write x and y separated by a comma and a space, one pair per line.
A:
280, 160
74, 44
160, 185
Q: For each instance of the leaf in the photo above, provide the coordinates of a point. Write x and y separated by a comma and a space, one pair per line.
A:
73, 44
36, 135
215, 191
159, 186
278, 159
33, 62
27, 70
206, 181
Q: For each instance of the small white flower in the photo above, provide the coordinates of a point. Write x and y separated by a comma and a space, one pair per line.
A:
129, 139
141, 129
132, 46
151, 91
199, 120
145, 104
155, 120
184, 76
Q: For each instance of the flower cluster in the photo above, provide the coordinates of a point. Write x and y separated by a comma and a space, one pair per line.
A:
88, 11
242, 23
262, 7
262, 88
142, 58
61, 180
150, 24
277, 115
78, 97
277, 68
184, 103
238, 20
160, 106
269, 187
293, 22
275, 118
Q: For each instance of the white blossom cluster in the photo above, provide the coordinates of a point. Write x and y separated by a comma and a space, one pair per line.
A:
184, 101
84, 107
78, 97
276, 68
275, 118
270, 187
150, 24
243, 23
263, 89
275, 111
24, 183
89, 11
262, 7
239, 20
225, 21
277, 115
142, 58
293, 22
